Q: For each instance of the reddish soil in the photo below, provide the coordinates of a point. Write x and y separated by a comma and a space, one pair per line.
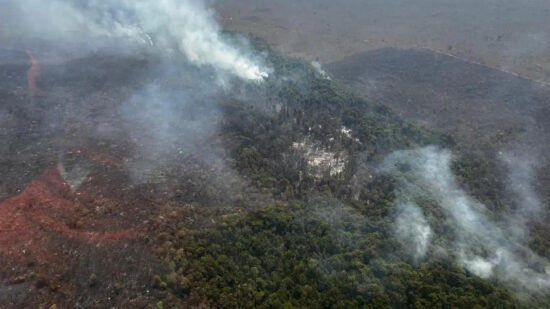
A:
33, 74
73, 226
49, 232
49, 206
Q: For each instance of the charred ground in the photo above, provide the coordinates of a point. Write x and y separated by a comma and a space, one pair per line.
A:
253, 213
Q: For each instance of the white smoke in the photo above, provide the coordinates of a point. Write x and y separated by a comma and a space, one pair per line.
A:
412, 229
317, 66
483, 246
186, 26
521, 178
193, 28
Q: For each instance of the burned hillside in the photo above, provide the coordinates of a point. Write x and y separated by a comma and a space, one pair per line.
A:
165, 163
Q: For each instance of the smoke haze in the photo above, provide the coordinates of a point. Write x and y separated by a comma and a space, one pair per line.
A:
167, 106
166, 26
482, 245
521, 180
412, 229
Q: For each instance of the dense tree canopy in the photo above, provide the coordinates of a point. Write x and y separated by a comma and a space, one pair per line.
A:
323, 241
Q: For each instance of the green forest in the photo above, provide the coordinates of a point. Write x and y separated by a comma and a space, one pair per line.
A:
260, 154
318, 241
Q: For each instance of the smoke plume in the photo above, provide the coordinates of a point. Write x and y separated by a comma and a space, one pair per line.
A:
413, 230
484, 246
186, 27
521, 180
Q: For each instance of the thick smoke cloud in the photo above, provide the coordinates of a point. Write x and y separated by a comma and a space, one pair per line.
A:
484, 246
166, 26
168, 109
